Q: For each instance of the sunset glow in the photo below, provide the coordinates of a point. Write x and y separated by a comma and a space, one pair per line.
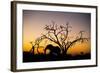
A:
35, 21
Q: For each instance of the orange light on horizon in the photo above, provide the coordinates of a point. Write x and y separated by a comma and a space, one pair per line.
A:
78, 48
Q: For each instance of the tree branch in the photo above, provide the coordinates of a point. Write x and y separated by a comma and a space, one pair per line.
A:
49, 39
74, 41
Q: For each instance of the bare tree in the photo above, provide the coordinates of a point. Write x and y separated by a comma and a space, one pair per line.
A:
60, 36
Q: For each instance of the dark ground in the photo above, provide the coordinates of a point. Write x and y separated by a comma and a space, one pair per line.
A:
29, 57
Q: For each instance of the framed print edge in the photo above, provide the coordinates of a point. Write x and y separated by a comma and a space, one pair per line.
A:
14, 35
96, 35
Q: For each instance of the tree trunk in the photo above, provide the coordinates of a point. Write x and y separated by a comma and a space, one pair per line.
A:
63, 52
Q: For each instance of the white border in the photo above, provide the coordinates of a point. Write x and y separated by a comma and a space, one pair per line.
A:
21, 65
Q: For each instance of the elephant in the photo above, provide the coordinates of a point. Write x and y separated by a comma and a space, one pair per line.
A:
54, 50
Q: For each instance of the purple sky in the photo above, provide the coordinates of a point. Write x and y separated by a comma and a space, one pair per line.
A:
34, 22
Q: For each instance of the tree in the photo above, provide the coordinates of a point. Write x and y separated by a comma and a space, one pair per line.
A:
60, 36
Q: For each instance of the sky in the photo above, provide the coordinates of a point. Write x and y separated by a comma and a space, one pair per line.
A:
35, 21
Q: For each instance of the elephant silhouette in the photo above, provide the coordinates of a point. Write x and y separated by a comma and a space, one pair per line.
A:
54, 50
